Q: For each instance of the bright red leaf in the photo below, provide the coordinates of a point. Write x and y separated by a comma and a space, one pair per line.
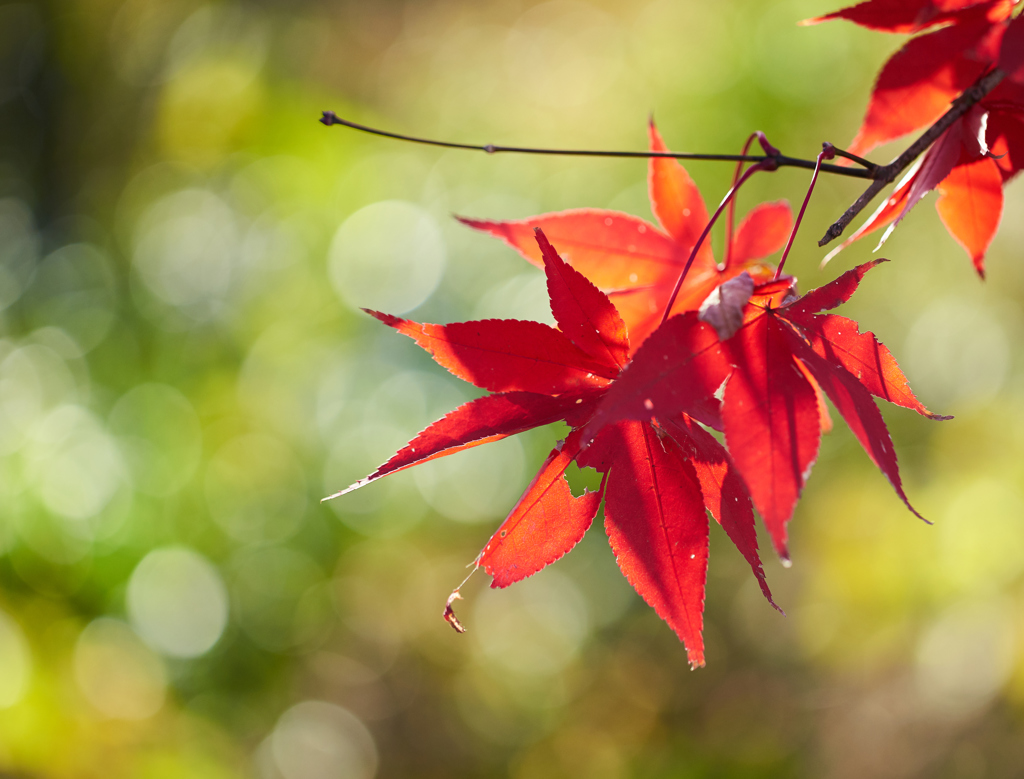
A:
582, 311
772, 425
725, 495
678, 369
660, 478
547, 522
507, 355
658, 528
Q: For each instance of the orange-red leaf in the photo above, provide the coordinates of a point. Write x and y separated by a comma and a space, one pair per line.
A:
612, 249
546, 523
638, 264
971, 206
675, 199
969, 181
762, 232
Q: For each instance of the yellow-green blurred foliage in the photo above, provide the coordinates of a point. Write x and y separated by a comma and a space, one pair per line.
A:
185, 372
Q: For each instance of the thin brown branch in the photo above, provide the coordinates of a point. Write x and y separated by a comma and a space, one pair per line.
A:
780, 160
885, 174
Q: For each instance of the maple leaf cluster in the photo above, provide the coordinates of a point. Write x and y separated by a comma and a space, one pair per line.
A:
641, 389
972, 160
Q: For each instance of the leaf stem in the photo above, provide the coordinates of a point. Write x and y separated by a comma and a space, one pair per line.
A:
731, 213
828, 152
764, 164
781, 160
884, 175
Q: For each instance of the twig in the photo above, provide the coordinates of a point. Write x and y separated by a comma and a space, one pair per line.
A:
885, 174
871, 166
781, 160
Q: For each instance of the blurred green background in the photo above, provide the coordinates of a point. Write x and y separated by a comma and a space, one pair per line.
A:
184, 373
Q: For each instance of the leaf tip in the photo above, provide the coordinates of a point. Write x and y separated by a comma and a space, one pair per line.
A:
351, 488
542, 240
476, 224
375, 314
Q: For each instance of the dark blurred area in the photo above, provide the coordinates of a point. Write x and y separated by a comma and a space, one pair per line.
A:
185, 373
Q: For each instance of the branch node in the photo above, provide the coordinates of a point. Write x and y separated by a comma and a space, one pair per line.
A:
770, 150
885, 174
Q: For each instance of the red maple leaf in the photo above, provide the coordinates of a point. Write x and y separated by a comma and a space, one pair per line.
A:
783, 349
918, 83
637, 263
660, 475
633, 420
